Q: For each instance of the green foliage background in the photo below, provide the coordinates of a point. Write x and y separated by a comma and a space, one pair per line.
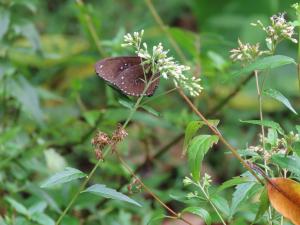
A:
52, 102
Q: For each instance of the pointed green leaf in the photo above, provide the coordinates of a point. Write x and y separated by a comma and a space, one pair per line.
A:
102, 190
192, 129
269, 62
240, 194
37, 207
199, 212
221, 203
197, 149
126, 104
42, 218
232, 182
263, 205
287, 162
156, 218
17, 206
4, 22
279, 97
67, 175
150, 110
266, 123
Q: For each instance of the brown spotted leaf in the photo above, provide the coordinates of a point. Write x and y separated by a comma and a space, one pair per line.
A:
284, 195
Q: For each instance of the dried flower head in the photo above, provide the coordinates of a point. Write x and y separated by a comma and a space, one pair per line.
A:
100, 140
119, 134
99, 154
279, 30
246, 53
160, 63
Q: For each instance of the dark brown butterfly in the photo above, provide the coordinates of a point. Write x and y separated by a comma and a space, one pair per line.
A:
126, 74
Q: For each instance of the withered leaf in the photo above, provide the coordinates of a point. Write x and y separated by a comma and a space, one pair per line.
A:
284, 195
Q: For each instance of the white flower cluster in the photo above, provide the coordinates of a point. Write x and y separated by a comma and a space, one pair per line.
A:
206, 180
160, 63
245, 52
134, 40
279, 30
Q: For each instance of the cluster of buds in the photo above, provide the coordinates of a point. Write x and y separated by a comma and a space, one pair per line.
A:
279, 30
192, 195
134, 187
160, 63
118, 135
101, 140
246, 53
206, 180
280, 146
134, 40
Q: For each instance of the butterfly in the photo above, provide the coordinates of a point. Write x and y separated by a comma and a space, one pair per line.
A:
126, 73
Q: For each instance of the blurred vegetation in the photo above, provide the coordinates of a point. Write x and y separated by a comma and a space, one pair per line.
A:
52, 103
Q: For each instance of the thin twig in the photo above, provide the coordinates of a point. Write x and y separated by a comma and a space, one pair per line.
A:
92, 30
232, 94
127, 167
189, 102
218, 133
165, 30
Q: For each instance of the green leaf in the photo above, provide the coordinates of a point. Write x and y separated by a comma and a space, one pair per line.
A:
240, 194
218, 61
266, 123
191, 130
199, 212
17, 206
126, 104
38, 207
269, 62
42, 219
272, 136
29, 31
92, 117
197, 149
296, 148
150, 110
287, 162
156, 218
232, 182
26, 94
221, 203
263, 205
4, 22
65, 176
102, 190
279, 97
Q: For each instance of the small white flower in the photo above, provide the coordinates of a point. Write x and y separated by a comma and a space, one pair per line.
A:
166, 66
279, 29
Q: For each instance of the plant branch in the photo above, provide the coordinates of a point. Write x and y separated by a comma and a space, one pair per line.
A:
92, 30
210, 202
218, 133
165, 30
127, 167
189, 102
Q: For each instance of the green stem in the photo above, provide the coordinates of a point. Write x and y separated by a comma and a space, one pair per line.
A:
259, 94
211, 203
81, 188
83, 185
165, 30
92, 30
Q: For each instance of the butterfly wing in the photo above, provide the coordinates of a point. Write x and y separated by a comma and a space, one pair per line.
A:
131, 81
110, 68
126, 73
